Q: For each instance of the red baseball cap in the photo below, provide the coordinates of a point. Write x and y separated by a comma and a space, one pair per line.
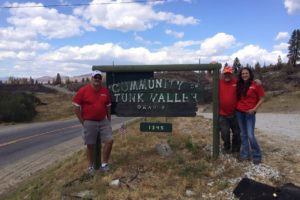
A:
227, 69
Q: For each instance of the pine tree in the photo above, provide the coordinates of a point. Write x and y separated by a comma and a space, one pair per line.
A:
257, 67
58, 79
279, 62
294, 48
31, 81
236, 65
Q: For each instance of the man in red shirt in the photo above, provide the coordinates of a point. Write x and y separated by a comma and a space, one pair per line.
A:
92, 106
227, 118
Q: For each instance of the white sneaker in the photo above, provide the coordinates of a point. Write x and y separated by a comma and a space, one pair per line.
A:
105, 168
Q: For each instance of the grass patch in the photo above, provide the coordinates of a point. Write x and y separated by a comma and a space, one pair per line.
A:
57, 106
285, 103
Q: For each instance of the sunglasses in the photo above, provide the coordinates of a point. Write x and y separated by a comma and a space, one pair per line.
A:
97, 77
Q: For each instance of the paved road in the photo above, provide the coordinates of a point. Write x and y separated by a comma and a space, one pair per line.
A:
27, 148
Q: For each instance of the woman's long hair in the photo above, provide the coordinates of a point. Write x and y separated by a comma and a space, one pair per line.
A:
243, 86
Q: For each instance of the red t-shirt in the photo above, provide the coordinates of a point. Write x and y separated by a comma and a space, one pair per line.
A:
93, 103
227, 97
254, 93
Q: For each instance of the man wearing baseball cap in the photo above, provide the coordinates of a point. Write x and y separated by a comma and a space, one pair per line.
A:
92, 106
227, 118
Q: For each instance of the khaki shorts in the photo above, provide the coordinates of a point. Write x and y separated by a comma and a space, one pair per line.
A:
91, 129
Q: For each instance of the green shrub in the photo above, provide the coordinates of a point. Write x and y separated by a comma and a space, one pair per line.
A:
18, 107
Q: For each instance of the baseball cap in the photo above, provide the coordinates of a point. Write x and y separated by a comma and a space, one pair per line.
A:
96, 72
227, 69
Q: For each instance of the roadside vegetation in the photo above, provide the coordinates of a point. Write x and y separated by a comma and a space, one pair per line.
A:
17, 107
189, 172
32, 103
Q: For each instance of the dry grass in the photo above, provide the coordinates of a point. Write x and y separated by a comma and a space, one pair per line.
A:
58, 106
284, 103
146, 175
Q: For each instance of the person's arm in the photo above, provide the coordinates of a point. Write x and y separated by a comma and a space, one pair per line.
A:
77, 112
258, 82
108, 112
253, 110
208, 76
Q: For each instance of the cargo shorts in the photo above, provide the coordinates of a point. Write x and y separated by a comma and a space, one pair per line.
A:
91, 129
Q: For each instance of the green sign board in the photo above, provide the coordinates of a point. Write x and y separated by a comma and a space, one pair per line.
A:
156, 97
155, 127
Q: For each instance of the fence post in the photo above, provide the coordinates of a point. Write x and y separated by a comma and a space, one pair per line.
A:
216, 138
97, 153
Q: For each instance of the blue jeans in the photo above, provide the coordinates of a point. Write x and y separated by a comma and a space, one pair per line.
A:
247, 124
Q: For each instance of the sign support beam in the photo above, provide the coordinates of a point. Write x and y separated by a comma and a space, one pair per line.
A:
180, 67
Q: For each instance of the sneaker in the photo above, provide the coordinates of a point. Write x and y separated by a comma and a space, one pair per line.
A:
256, 162
105, 168
91, 171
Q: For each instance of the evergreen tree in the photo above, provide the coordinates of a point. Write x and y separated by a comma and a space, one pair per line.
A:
82, 80
279, 62
58, 79
31, 81
257, 67
294, 48
236, 65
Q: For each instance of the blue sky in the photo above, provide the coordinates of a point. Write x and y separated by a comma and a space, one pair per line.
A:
37, 39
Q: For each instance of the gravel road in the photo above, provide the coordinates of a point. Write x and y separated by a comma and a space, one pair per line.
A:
274, 124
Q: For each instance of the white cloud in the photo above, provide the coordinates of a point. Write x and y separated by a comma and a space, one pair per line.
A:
128, 17
251, 54
187, 43
281, 47
7, 55
174, 33
293, 6
145, 42
45, 21
282, 36
105, 53
27, 45
217, 44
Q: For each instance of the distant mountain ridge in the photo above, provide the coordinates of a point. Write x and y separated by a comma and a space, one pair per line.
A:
46, 79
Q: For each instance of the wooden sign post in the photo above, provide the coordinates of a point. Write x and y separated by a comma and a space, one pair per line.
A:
136, 93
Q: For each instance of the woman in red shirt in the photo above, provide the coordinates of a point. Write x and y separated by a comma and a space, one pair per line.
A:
250, 96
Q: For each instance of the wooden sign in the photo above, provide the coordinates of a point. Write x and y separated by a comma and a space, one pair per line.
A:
156, 97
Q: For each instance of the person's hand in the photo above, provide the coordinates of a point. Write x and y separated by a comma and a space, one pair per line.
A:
252, 111
257, 81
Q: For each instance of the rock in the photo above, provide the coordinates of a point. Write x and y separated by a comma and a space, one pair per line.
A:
189, 193
163, 149
115, 183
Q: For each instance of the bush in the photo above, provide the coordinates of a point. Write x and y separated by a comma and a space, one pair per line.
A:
18, 107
